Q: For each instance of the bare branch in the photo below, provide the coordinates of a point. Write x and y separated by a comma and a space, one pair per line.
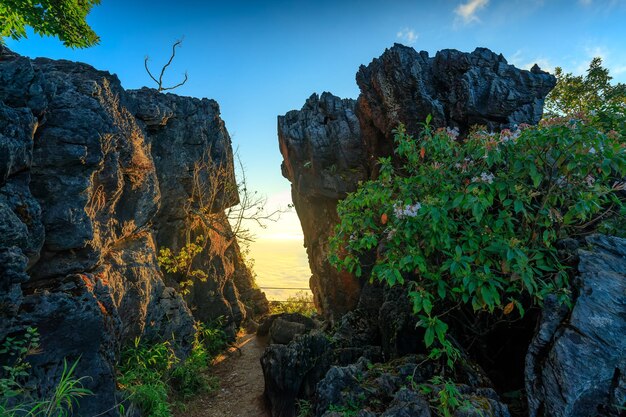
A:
177, 43
145, 64
159, 82
177, 85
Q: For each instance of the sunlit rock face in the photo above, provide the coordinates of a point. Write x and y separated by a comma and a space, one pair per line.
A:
93, 182
331, 144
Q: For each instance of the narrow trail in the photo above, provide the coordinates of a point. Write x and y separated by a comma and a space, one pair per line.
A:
241, 384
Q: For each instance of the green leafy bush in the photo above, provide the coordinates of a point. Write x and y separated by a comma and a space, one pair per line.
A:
444, 395
153, 377
142, 375
181, 262
301, 303
17, 401
475, 221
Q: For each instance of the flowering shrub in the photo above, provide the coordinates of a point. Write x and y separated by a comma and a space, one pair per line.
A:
475, 221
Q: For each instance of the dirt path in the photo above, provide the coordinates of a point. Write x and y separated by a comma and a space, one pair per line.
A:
241, 384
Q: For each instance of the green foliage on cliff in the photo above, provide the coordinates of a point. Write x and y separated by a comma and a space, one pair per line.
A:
15, 400
181, 263
152, 377
62, 18
475, 222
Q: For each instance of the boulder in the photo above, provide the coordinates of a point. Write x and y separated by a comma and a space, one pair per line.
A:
290, 369
284, 327
283, 331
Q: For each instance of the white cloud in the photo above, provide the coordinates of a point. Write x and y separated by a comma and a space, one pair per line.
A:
612, 59
467, 11
520, 61
618, 70
581, 66
407, 35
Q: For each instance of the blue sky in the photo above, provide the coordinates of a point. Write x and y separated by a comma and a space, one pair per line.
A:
260, 59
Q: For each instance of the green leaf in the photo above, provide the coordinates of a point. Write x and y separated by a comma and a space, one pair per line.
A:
429, 336
428, 306
441, 289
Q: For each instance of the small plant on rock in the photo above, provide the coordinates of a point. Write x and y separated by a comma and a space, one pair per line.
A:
15, 400
445, 396
152, 377
305, 409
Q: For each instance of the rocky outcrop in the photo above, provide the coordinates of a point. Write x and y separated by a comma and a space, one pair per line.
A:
457, 89
324, 159
340, 375
191, 150
331, 144
293, 371
93, 182
576, 364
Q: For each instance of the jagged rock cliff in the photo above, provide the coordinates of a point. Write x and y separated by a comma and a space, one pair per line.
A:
331, 144
93, 181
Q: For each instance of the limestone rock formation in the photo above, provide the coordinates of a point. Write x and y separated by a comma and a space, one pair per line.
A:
282, 328
331, 144
324, 159
576, 364
457, 89
92, 184
293, 371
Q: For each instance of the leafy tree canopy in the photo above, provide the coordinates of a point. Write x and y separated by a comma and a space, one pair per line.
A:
62, 18
591, 95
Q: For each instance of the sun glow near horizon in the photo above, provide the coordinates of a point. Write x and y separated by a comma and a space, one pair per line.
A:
277, 250
284, 226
